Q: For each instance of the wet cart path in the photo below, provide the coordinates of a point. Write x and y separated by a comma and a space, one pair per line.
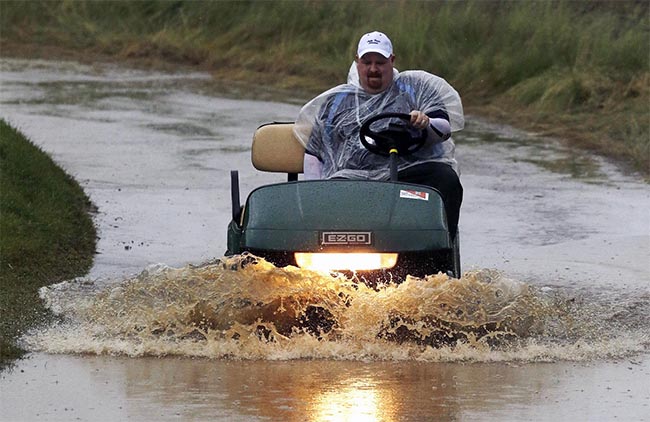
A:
154, 151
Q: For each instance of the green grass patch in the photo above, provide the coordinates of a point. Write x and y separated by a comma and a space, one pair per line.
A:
534, 64
46, 235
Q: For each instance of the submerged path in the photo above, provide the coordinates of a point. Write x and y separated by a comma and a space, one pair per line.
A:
154, 150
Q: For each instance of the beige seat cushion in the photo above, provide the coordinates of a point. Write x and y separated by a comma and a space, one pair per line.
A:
276, 149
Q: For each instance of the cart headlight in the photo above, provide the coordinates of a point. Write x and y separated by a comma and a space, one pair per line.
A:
345, 261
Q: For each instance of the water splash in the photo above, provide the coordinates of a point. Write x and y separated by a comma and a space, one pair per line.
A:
243, 307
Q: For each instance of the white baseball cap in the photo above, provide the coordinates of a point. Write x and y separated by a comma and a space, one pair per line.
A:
375, 42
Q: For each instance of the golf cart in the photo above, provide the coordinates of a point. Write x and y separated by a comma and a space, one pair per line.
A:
377, 231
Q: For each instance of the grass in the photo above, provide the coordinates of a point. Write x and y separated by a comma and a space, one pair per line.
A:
46, 235
578, 70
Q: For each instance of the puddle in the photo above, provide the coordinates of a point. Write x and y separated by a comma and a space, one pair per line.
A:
243, 308
550, 321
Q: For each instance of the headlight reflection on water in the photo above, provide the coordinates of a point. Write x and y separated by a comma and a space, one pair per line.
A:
359, 401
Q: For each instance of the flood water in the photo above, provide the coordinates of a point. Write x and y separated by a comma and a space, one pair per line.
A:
549, 322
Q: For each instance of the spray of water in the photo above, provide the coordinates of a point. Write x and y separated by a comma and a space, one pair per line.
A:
245, 308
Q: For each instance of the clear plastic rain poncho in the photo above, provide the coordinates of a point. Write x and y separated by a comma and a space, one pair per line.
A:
328, 126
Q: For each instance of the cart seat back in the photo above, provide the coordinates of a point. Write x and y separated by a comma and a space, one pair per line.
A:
276, 149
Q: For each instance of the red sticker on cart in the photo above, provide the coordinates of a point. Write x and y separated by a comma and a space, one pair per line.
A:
413, 194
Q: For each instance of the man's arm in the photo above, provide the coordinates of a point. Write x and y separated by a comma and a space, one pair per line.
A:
437, 126
312, 167
441, 128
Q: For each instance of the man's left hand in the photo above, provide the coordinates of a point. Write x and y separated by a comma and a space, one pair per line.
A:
419, 119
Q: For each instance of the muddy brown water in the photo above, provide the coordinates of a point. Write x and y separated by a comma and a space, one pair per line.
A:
555, 245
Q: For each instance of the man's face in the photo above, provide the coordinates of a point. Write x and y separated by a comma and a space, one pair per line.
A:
375, 72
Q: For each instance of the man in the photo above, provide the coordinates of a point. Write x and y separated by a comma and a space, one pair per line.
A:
328, 126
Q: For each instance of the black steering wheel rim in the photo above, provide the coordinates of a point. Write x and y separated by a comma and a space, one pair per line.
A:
392, 145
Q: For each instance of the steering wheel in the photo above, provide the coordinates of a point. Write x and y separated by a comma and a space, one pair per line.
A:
396, 137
